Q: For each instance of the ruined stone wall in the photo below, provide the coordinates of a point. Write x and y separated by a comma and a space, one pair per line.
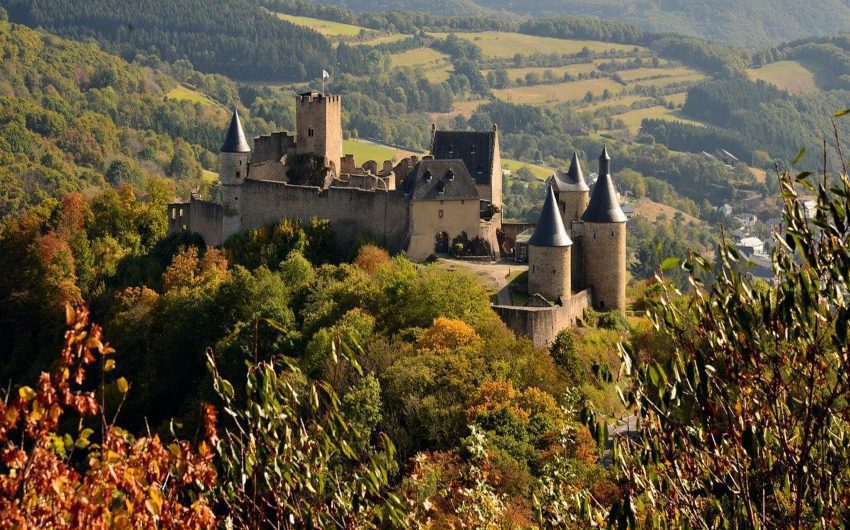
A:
604, 264
489, 232
429, 218
549, 272
272, 147
267, 170
319, 126
542, 324
379, 215
197, 216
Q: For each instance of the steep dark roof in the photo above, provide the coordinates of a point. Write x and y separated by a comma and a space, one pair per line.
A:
235, 141
573, 179
441, 180
604, 206
550, 230
474, 148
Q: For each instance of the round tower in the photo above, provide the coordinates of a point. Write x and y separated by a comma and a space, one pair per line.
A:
233, 168
604, 246
549, 254
572, 192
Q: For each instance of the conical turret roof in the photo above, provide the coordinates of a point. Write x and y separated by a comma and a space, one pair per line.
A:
573, 179
235, 141
550, 230
604, 206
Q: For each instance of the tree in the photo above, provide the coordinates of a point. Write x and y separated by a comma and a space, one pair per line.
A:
746, 423
290, 459
53, 479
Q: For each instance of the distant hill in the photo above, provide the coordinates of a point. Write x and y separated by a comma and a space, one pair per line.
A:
231, 37
753, 22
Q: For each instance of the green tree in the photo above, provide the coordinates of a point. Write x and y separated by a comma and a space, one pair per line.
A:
747, 423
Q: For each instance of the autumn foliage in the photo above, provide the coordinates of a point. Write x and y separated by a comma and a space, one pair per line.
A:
51, 479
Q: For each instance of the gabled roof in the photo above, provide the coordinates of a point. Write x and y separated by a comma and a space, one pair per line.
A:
604, 206
441, 180
550, 230
573, 179
235, 141
474, 148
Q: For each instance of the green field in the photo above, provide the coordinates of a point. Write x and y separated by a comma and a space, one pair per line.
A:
183, 93
382, 39
559, 71
787, 75
639, 74
633, 118
538, 171
671, 80
558, 92
325, 27
503, 44
613, 102
433, 64
364, 151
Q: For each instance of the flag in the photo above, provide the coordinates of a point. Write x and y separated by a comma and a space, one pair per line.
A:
325, 75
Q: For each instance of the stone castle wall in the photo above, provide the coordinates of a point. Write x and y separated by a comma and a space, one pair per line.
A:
542, 324
549, 271
323, 115
354, 214
272, 147
198, 216
604, 264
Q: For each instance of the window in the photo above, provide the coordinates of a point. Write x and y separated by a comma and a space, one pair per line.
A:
451, 149
310, 132
238, 174
440, 214
472, 150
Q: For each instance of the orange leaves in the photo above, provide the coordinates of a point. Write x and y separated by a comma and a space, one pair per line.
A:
187, 270
447, 334
126, 482
370, 258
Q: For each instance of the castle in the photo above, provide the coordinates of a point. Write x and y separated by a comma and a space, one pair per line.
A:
421, 206
576, 255
450, 200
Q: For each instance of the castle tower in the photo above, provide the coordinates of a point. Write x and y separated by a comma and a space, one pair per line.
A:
318, 120
572, 192
604, 245
549, 254
233, 168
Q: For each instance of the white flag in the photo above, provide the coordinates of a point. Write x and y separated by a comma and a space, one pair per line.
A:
325, 75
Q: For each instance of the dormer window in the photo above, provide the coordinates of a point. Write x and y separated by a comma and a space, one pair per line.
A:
441, 188
450, 174
480, 170
472, 150
451, 149
427, 174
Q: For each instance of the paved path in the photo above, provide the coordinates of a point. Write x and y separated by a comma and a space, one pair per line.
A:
495, 275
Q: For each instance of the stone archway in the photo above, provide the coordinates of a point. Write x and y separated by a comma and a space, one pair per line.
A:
441, 243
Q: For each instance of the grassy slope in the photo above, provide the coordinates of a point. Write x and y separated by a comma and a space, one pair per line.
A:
325, 27
787, 75
504, 44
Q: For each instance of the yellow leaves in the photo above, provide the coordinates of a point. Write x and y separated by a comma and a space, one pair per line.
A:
26, 393
109, 365
123, 386
153, 503
70, 314
447, 334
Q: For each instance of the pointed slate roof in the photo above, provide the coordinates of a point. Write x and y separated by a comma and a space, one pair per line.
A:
235, 141
550, 230
573, 179
604, 206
